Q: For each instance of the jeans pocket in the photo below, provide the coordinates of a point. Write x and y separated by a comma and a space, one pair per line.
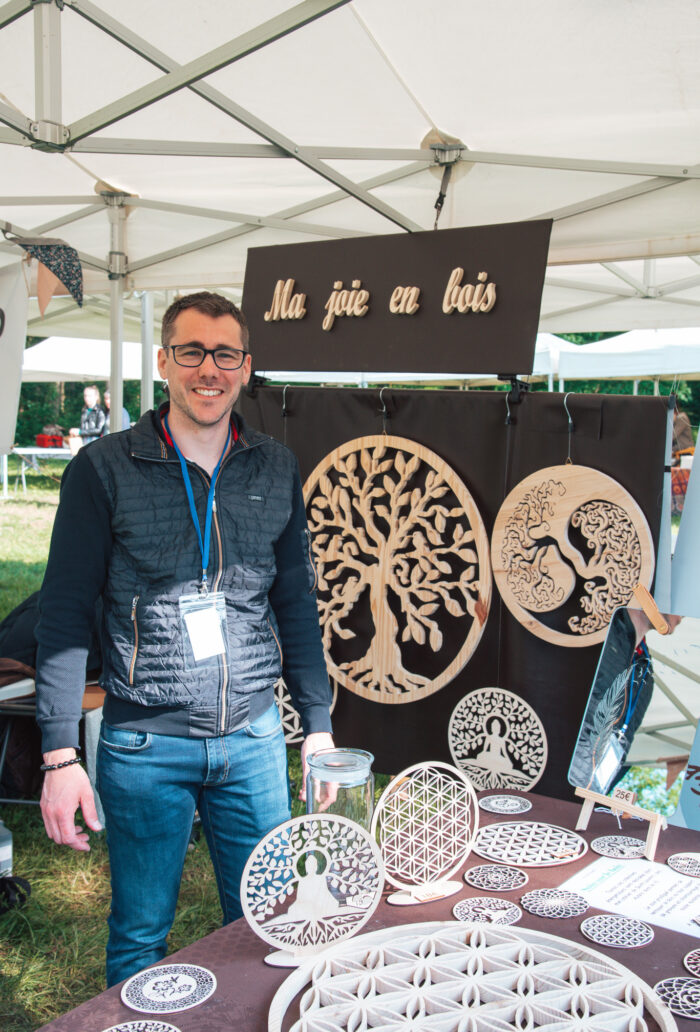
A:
120, 740
265, 726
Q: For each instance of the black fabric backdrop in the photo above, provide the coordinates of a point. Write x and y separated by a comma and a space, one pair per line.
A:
619, 435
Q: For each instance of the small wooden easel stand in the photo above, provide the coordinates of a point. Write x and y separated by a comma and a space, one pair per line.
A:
622, 801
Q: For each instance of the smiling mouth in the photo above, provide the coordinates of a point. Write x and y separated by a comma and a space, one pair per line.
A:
208, 392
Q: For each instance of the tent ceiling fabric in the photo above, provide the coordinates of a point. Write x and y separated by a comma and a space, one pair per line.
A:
262, 122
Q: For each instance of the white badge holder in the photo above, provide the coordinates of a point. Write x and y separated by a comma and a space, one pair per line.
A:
203, 627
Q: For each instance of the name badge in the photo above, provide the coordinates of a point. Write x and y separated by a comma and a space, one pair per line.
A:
203, 623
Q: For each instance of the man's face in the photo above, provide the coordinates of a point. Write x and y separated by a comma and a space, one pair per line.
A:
90, 397
204, 395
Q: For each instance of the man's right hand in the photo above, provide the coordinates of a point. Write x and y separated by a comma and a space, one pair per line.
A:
64, 791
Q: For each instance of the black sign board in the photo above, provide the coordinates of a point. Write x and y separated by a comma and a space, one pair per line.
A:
446, 301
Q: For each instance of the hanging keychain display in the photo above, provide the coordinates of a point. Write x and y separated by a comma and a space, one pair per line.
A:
569, 544
203, 614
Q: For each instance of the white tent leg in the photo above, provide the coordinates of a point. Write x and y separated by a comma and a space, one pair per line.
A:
146, 351
117, 267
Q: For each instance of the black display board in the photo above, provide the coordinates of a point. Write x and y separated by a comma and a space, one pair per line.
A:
621, 436
454, 301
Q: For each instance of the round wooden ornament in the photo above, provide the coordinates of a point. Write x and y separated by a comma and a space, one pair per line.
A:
402, 559
309, 882
425, 822
498, 741
568, 547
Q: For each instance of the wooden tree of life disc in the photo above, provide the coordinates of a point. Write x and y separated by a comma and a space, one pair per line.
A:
568, 547
404, 579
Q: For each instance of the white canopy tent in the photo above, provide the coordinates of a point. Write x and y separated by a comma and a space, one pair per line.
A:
639, 355
59, 359
162, 140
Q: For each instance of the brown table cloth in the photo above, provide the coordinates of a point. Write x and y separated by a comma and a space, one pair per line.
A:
245, 985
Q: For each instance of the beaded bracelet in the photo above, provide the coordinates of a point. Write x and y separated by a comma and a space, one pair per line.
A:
57, 766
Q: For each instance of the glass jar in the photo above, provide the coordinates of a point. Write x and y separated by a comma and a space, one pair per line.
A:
341, 781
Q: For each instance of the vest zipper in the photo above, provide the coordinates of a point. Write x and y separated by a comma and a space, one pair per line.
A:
311, 560
215, 586
134, 620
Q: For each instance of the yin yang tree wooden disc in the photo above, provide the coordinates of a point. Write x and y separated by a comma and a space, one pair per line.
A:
402, 559
568, 547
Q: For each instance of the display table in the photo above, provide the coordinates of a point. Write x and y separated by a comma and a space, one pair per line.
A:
29, 459
246, 985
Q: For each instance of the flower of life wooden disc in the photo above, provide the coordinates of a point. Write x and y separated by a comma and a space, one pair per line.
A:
291, 721
569, 545
554, 903
311, 881
504, 804
425, 821
453, 977
404, 578
616, 931
691, 962
497, 740
529, 844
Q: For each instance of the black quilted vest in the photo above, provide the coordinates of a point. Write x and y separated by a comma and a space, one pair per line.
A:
156, 559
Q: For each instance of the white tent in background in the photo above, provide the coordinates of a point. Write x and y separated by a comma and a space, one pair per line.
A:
162, 140
59, 359
639, 355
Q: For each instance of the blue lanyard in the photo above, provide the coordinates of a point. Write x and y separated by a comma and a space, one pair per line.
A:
634, 695
204, 545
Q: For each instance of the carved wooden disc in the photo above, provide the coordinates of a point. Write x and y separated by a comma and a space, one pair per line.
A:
291, 721
404, 579
569, 544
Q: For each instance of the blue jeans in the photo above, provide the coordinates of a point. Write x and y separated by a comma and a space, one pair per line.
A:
150, 786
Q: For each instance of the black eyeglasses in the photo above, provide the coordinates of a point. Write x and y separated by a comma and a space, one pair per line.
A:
192, 355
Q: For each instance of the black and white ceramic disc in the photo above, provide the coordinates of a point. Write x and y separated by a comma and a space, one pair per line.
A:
685, 863
559, 903
143, 1025
691, 962
490, 909
614, 930
681, 995
168, 988
495, 878
620, 847
505, 804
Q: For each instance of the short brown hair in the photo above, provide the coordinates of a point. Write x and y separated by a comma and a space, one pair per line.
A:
213, 305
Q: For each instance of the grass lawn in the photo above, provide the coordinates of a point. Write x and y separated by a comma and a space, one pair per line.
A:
52, 950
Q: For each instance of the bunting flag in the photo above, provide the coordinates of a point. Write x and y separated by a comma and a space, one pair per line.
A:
60, 263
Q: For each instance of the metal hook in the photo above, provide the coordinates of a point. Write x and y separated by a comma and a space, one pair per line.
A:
509, 418
384, 410
571, 427
284, 413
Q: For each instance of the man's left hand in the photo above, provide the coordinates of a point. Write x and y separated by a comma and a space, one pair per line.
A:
313, 743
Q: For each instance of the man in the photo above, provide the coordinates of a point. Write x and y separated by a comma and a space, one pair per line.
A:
126, 419
191, 527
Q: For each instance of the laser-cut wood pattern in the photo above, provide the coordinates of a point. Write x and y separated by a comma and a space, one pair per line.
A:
425, 822
497, 740
397, 541
311, 881
570, 536
291, 721
453, 977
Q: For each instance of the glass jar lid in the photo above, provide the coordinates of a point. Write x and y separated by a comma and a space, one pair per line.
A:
342, 766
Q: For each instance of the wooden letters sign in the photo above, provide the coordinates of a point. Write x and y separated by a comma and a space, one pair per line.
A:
447, 301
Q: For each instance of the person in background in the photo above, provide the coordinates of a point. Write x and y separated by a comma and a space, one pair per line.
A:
92, 418
126, 421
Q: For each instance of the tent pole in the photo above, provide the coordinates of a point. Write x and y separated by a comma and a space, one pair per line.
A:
146, 351
117, 271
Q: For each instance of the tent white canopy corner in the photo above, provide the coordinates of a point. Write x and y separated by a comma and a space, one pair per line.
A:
162, 141
669, 354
